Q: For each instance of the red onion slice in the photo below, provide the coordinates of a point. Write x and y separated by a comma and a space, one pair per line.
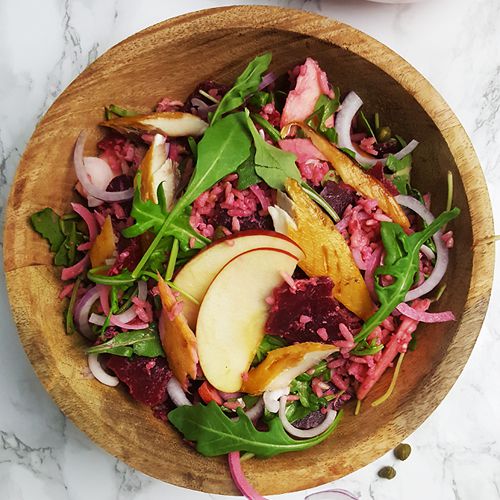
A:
343, 121
82, 311
332, 495
256, 411
142, 290
245, 488
89, 219
307, 433
267, 79
92, 190
425, 317
441, 251
176, 393
68, 273
97, 319
99, 373
127, 326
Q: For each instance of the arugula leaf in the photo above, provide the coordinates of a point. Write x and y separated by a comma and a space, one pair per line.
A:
216, 434
246, 173
401, 172
269, 343
267, 127
349, 152
400, 262
223, 148
119, 111
260, 99
47, 223
246, 84
272, 164
324, 108
140, 342
150, 217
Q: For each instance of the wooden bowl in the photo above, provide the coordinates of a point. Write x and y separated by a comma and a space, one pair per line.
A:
170, 58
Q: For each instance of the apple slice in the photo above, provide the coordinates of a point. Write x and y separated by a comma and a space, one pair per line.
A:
233, 314
282, 365
195, 277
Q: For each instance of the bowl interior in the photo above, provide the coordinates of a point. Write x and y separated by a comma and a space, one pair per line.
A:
169, 59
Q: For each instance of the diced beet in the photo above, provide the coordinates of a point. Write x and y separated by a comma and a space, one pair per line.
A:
146, 378
129, 255
312, 420
389, 147
377, 171
339, 196
311, 302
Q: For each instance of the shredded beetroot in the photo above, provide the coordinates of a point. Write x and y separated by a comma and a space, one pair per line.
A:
127, 258
146, 378
308, 313
377, 171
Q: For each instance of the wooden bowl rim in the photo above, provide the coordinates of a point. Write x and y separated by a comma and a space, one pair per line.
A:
431, 102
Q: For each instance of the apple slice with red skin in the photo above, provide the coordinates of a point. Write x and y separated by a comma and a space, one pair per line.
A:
195, 277
233, 314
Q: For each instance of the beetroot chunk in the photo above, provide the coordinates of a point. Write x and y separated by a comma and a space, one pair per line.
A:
339, 196
146, 378
297, 314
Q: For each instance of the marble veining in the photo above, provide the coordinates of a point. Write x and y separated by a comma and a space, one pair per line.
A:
44, 45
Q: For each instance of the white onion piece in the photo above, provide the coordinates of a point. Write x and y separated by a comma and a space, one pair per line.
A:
99, 373
97, 319
281, 220
343, 121
176, 393
271, 398
81, 173
142, 290
427, 252
255, 412
305, 433
336, 494
441, 251
124, 317
82, 311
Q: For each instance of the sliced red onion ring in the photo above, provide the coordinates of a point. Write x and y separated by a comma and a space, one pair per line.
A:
343, 121
142, 290
176, 393
82, 310
441, 251
88, 217
245, 488
267, 79
256, 411
92, 190
130, 314
332, 495
127, 326
99, 373
68, 273
104, 298
425, 317
307, 433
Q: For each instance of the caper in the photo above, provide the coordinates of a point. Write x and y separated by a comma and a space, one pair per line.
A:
402, 451
387, 472
383, 134
219, 233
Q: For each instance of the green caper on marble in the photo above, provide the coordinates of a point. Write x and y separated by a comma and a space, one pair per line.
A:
383, 134
402, 451
387, 472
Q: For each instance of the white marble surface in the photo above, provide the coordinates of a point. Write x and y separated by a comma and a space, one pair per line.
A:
45, 44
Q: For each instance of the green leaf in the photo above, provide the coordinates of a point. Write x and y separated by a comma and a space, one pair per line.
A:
216, 434
324, 108
149, 216
401, 172
260, 99
223, 148
401, 262
140, 342
267, 127
246, 173
47, 224
349, 152
246, 84
119, 111
273, 165
269, 343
